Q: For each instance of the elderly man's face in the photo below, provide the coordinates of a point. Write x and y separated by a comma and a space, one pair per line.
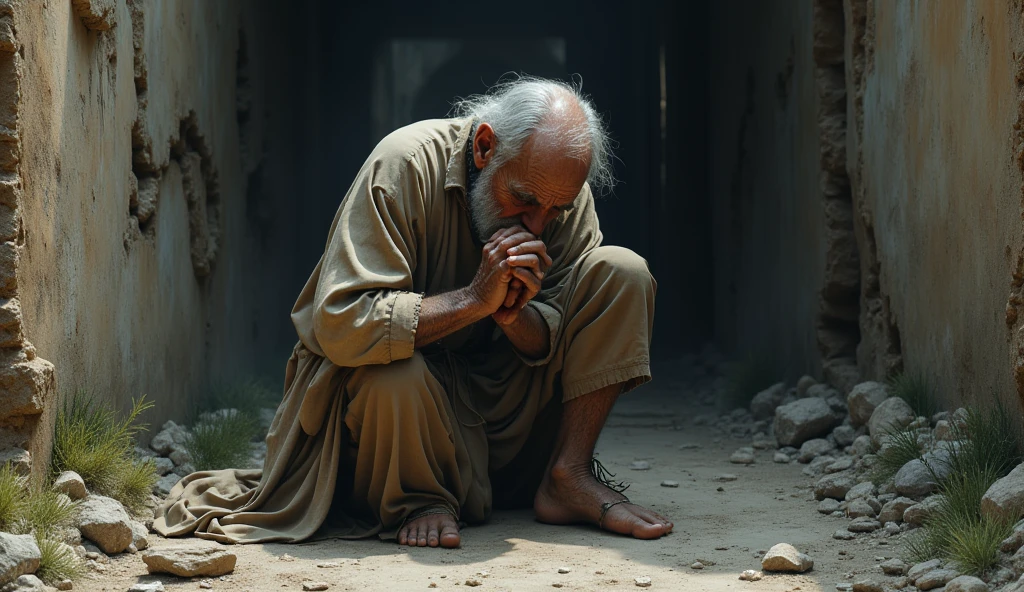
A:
531, 190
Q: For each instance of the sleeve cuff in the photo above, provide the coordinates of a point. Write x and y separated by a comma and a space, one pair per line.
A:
553, 319
405, 317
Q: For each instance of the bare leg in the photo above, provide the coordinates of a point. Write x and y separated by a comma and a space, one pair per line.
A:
431, 530
570, 493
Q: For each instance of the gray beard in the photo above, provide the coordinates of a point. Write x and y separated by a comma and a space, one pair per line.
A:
484, 212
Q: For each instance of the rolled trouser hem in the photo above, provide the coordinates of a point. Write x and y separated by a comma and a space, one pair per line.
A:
631, 374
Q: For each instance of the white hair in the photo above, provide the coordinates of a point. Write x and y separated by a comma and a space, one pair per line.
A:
516, 109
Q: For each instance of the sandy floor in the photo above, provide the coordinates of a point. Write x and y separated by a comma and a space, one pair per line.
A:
728, 529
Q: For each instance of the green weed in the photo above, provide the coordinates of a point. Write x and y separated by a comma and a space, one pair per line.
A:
916, 391
57, 562
900, 448
222, 441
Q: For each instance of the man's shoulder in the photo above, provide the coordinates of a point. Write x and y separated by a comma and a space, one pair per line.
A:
406, 143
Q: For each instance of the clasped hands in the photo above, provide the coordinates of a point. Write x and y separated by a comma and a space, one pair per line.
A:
513, 264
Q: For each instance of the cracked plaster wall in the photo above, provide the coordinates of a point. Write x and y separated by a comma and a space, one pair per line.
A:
111, 91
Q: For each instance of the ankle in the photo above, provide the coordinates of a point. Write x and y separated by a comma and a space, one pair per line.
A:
567, 471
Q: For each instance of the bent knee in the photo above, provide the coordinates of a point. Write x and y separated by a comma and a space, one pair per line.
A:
619, 263
401, 379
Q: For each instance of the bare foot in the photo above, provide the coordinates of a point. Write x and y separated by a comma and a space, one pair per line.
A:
431, 530
573, 496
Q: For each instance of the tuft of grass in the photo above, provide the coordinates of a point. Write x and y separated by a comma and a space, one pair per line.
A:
12, 497
222, 441
957, 529
744, 379
57, 562
135, 484
988, 439
98, 444
916, 391
919, 546
901, 447
46, 511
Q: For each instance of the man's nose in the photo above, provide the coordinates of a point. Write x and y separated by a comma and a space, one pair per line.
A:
534, 221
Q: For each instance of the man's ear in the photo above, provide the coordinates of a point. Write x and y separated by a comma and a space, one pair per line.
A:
484, 143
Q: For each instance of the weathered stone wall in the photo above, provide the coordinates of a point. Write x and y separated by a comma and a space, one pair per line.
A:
936, 167
896, 232
132, 208
769, 223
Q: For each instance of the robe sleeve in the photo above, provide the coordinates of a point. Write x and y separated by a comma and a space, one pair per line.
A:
365, 310
568, 238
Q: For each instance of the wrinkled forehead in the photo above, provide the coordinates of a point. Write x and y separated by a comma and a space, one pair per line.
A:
550, 174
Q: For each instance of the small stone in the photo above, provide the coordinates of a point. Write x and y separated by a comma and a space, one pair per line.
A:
165, 484
71, 484
696, 565
65, 585
668, 483
19, 554
803, 419
893, 511
894, 567
840, 465
835, 486
868, 586
1004, 500
844, 586
564, 570
803, 385
891, 529
207, 584
863, 400
157, 586
828, 505
935, 578
726, 477
432, 585
863, 489
785, 557
843, 535
743, 456
140, 536
814, 448
321, 586
864, 524
918, 513
919, 569
844, 435
751, 575
473, 583
190, 561
643, 581
862, 446
640, 465
966, 584
328, 565
780, 458
104, 521
891, 414
860, 508
163, 465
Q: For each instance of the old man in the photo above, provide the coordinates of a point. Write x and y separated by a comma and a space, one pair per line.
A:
461, 342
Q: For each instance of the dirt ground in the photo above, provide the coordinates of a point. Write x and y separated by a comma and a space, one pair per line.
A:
728, 530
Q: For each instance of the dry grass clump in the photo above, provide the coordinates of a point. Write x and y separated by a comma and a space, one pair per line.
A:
916, 391
900, 448
99, 444
989, 447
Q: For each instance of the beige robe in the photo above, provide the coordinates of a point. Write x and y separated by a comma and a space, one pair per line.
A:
370, 428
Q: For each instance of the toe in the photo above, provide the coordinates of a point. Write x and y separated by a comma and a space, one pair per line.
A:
450, 537
432, 537
422, 540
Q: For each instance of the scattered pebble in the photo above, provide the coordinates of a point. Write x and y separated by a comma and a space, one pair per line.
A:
667, 483
328, 564
473, 583
721, 548
720, 489
844, 587
643, 581
564, 570
432, 585
696, 565
689, 446
640, 465
315, 586
206, 584
751, 575
286, 557
743, 456
725, 477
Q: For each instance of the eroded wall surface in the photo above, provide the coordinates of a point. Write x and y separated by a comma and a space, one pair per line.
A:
936, 161
141, 141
